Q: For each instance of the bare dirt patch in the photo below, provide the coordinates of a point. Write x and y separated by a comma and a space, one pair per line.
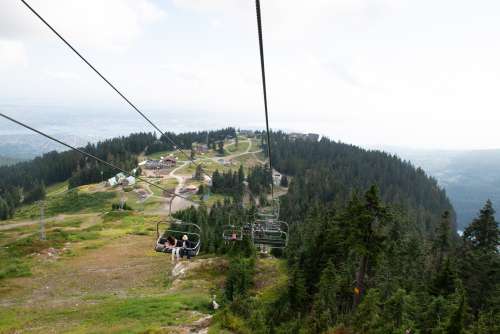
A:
118, 268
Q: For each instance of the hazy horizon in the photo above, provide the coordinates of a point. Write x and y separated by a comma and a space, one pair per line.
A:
94, 124
367, 72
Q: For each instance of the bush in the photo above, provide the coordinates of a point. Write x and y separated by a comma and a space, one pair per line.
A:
116, 206
14, 268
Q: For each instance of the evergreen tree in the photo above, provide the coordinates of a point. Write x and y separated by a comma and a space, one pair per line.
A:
455, 323
198, 174
368, 319
443, 283
297, 292
480, 260
324, 310
483, 234
220, 147
442, 241
365, 220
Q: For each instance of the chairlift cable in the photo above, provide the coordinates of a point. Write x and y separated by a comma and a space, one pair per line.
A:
93, 157
113, 87
261, 48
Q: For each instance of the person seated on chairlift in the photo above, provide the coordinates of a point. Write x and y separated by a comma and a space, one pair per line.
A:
233, 236
186, 245
175, 246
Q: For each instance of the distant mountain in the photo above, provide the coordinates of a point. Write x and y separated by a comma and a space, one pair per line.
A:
28, 146
469, 177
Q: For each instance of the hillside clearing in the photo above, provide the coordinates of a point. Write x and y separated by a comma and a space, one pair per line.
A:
112, 282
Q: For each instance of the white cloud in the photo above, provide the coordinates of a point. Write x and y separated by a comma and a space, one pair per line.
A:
12, 54
62, 75
110, 23
364, 71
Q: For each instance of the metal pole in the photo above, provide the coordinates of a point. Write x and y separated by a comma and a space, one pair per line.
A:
42, 221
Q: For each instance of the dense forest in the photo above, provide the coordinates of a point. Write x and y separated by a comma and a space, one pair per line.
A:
373, 249
232, 184
330, 172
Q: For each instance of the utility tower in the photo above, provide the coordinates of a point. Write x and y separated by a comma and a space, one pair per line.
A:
122, 200
42, 220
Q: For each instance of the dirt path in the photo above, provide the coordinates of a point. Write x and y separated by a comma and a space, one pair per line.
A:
179, 203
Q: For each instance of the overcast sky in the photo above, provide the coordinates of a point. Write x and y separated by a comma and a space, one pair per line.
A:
421, 73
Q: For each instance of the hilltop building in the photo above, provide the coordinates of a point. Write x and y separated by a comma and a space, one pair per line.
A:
200, 148
304, 136
120, 179
129, 181
167, 162
247, 133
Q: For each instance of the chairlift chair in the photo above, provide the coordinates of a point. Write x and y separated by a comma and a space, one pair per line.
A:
270, 238
177, 229
272, 233
232, 233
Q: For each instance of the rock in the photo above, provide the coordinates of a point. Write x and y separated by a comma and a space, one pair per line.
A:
179, 270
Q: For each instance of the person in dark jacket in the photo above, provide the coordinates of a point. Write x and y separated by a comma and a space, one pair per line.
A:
187, 246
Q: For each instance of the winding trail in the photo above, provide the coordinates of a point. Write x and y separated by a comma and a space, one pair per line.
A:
178, 203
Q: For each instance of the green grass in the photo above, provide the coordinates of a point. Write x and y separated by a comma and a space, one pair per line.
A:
214, 198
57, 189
69, 202
209, 166
111, 314
242, 147
165, 183
13, 267
248, 161
176, 154
13, 256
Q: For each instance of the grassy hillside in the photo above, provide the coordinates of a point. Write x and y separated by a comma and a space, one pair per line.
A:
98, 274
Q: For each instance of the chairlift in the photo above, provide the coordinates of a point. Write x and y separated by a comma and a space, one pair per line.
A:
177, 229
272, 233
268, 230
232, 233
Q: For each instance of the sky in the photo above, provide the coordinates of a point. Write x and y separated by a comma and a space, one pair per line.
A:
411, 73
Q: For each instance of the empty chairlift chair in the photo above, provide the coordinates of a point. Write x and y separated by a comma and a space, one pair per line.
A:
268, 230
271, 233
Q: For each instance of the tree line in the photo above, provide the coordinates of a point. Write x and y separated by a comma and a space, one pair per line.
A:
25, 182
186, 140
